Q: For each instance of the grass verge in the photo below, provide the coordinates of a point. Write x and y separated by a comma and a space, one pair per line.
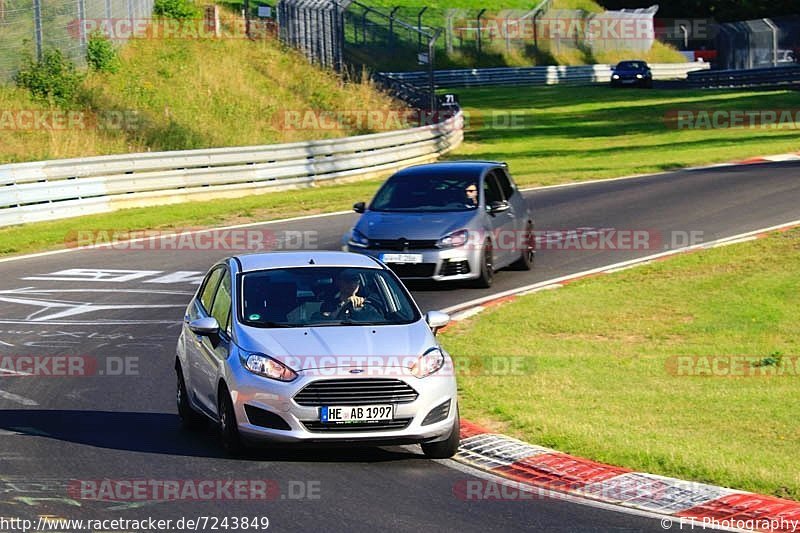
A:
599, 376
565, 134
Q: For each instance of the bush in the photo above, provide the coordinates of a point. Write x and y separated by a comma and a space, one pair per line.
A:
101, 54
176, 9
54, 78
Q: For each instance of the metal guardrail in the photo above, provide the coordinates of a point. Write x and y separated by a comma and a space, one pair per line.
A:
48, 190
552, 75
759, 77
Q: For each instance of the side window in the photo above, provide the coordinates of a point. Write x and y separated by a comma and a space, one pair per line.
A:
505, 183
221, 309
491, 191
210, 288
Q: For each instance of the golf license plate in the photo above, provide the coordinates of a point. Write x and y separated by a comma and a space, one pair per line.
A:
350, 414
401, 258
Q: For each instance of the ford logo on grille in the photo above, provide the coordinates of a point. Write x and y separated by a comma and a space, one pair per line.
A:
357, 371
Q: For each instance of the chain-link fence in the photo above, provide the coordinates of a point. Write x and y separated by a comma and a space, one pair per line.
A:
32, 26
758, 43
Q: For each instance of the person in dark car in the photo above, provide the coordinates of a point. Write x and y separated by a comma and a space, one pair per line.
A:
472, 195
347, 300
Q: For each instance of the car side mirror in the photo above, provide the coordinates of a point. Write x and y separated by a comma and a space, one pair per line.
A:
204, 327
436, 320
498, 207
359, 207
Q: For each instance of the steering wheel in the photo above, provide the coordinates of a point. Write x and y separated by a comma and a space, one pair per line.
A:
348, 306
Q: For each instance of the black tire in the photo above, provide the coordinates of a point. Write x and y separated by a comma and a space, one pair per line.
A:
525, 262
447, 448
228, 428
190, 418
484, 280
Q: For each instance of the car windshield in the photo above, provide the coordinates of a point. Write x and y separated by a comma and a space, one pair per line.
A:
631, 65
323, 296
427, 194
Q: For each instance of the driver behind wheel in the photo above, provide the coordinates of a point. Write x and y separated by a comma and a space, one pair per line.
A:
347, 285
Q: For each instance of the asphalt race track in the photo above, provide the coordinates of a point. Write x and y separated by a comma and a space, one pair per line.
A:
120, 310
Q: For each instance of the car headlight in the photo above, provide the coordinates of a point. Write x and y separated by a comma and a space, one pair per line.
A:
358, 239
452, 240
639, 76
615, 77
428, 363
268, 367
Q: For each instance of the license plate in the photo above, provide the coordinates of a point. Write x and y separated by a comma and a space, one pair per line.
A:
348, 414
401, 258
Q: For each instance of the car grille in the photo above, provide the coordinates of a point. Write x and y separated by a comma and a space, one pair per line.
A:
401, 244
363, 391
319, 427
454, 268
413, 270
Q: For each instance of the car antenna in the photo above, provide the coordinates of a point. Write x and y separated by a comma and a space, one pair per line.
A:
311, 261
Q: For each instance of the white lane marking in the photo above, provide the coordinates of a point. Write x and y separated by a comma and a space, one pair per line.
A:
782, 158
5, 395
605, 269
9, 372
170, 235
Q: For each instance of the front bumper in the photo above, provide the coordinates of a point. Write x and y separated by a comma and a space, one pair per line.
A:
279, 398
452, 264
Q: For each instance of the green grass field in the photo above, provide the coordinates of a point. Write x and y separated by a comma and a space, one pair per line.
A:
599, 376
568, 134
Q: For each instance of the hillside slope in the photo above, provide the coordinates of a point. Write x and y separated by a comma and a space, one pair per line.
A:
173, 94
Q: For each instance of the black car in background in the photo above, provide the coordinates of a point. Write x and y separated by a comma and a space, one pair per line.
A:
632, 74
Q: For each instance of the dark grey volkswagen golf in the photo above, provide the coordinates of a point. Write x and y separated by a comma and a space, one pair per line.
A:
446, 222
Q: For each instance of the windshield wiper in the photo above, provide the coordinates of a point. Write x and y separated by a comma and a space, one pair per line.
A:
275, 325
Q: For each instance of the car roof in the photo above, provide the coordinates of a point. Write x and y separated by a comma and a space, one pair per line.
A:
265, 260
450, 168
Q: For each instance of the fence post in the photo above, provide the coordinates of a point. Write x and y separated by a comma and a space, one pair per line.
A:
419, 26
82, 25
480, 14
37, 27
774, 29
391, 26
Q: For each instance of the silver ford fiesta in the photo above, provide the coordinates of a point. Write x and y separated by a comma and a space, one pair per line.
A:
318, 347
451, 221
